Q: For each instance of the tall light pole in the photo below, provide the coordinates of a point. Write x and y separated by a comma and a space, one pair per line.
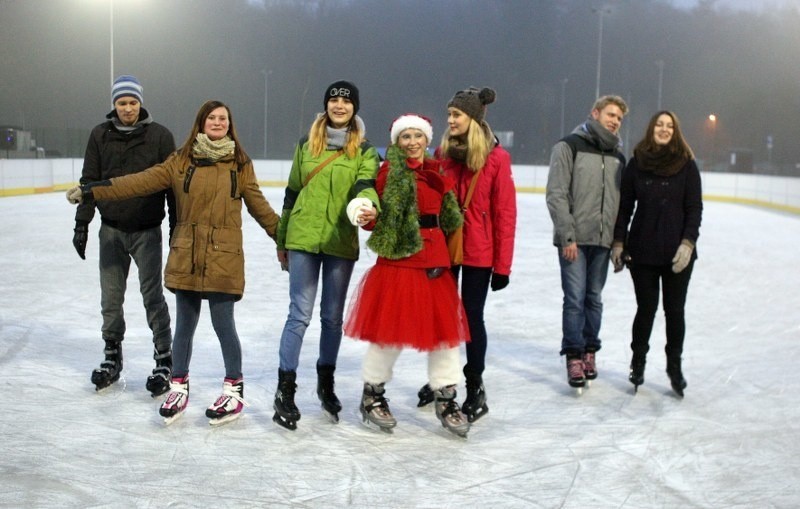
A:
712, 122
563, 99
660, 64
600, 12
111, 37
266, 74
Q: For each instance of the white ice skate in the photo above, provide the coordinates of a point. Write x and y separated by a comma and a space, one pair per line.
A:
177, 400
229, 405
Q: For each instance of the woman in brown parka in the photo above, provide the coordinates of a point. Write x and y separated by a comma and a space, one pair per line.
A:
211, 175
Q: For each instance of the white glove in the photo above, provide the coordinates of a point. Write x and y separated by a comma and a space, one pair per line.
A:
616, 258
75, 195
355, 208
682, 257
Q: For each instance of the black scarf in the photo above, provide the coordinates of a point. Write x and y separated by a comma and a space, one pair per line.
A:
662, 162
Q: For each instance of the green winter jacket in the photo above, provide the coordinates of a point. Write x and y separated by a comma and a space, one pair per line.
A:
314, 217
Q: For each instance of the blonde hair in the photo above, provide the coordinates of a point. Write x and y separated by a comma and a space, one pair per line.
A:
479, 141
318, 136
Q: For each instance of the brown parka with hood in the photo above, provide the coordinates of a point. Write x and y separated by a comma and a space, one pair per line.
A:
206, 253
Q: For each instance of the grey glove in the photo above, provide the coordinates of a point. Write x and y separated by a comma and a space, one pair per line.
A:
682, 257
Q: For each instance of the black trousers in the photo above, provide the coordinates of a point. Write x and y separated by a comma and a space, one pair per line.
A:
474, 288
647, 280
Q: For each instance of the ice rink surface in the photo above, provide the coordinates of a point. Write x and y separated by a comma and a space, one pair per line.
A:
733, 442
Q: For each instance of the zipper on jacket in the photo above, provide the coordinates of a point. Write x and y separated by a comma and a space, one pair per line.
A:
233, 184
188, 179
602, 194
194, 234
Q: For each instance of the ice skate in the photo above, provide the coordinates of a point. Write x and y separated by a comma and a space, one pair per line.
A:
229, 405
474, 406
676, 376
575, 375
425, 395
375, 407
158, 382
177, 400
330, 403
286, 412
110, 368
589, 366
636, 376
448, 412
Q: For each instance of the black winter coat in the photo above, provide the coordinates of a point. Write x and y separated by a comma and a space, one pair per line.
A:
668, 210
111, 153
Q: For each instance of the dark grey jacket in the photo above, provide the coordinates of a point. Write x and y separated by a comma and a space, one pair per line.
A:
583, 190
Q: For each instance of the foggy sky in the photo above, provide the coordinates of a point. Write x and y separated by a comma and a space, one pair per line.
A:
408, 55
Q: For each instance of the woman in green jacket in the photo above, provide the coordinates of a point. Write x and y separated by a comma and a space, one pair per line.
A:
332, 165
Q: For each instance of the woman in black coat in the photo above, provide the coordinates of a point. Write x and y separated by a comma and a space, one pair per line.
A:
663, 183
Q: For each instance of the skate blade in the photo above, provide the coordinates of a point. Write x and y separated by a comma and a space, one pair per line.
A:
169, 420
477, 415
333, 417
280, 421
389, 429
225, 419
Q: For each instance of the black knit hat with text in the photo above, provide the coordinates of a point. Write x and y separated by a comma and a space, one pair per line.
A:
342, 89
473, 101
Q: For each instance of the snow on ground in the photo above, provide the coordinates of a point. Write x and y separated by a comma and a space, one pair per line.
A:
732, 442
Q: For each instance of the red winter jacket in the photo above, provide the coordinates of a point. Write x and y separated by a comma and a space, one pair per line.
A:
491, 218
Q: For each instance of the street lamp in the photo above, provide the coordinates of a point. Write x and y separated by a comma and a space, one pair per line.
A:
600, 12
660, 64
111, 37
266, 74
563, 96
712, 122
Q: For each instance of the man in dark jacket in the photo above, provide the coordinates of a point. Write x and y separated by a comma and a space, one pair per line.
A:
128, 142
583, 198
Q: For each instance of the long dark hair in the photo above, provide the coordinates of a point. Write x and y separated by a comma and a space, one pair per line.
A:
677, 145
239, 155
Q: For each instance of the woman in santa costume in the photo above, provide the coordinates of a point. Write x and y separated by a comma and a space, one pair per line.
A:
409, 298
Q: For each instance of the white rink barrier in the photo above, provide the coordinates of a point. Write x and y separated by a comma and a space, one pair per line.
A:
28, 176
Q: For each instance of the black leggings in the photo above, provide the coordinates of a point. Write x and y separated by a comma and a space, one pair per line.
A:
474, 288
646, 280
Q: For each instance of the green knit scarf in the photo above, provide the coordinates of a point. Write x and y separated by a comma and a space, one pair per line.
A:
396, 234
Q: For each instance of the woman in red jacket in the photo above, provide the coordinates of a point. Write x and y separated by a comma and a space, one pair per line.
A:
470, 150
409, 298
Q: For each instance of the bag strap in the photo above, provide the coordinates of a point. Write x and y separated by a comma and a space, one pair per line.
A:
321, 165
471, 190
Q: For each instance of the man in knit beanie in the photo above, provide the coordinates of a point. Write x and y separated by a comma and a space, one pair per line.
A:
128, 142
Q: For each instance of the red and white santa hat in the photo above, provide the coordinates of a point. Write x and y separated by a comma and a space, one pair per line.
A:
411, 121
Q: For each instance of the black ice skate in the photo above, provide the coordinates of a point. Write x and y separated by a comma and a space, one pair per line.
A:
330, 403
375, 408
575, 375
158, 382
425, 395
676, 376
636, 375
286, 412
110, 368
474, 406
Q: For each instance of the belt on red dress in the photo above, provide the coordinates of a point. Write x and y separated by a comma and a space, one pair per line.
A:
429, 221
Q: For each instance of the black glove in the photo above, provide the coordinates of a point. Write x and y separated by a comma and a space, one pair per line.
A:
499, 281
80, 238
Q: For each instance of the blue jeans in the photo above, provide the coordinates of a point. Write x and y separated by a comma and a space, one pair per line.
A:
304, 271
117, 248
582, 282
187, 315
